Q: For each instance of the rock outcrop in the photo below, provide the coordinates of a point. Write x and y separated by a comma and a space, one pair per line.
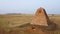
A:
40, 18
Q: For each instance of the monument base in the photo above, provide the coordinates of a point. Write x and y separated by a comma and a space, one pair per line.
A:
51, 27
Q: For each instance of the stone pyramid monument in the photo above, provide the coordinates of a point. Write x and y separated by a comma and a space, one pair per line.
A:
40, 17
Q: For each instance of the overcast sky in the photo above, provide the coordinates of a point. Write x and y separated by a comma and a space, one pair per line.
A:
29, 6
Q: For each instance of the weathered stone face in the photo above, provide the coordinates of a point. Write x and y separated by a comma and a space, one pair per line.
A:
40, 18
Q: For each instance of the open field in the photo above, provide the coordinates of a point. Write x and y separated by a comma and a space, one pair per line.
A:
9, 24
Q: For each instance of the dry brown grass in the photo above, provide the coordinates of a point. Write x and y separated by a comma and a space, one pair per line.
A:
9, 24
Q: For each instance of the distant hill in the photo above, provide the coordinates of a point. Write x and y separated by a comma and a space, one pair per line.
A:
27, 14
13, 13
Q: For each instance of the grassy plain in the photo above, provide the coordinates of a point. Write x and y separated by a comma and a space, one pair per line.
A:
9, 23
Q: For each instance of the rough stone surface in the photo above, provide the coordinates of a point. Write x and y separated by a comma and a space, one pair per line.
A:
40, 17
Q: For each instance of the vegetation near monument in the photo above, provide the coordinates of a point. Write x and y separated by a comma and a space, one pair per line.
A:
39, 23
